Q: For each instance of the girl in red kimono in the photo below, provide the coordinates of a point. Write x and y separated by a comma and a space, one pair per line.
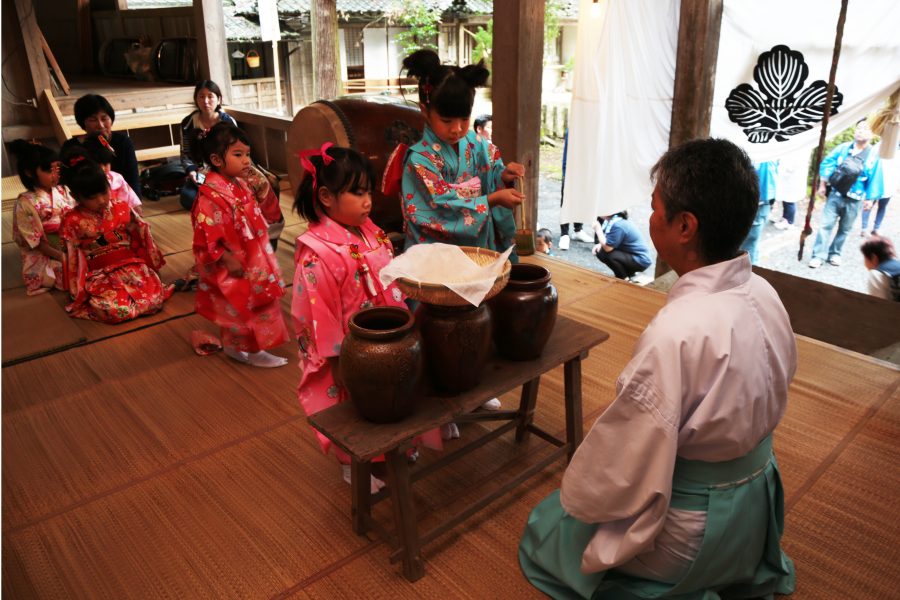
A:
37, 217
240, 282
338, 260
113, 263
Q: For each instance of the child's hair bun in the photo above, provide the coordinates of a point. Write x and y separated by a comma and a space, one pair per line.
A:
475, 75
422, 63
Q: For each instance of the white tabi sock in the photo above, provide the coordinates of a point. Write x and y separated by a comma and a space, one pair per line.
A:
266, 360
375, 484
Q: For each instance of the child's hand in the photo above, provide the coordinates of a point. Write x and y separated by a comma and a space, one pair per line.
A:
512, 172
232, 265
507, 198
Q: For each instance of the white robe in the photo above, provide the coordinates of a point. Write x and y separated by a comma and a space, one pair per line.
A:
708, 381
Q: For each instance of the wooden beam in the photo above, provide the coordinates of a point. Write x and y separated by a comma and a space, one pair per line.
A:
57, 121
516, 88
326, 65
699, 26
695, 69
60, 77
85, 40
212, 48
834, 315
31, 35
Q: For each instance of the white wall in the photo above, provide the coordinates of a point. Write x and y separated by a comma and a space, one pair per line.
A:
383, 56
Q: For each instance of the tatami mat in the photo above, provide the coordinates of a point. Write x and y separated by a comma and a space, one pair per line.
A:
133, 468
6, 234
11, 267
35, 325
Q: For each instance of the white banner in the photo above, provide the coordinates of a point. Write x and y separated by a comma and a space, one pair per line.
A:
625, 73
268, 21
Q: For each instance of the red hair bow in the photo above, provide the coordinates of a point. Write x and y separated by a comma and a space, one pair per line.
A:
305, 155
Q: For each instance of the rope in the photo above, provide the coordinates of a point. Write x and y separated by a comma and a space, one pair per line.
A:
839, 34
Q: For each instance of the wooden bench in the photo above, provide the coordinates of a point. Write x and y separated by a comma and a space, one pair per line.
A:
569, 344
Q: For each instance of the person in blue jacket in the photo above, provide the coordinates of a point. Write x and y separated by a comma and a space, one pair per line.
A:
766, 172
842, 208
621, 246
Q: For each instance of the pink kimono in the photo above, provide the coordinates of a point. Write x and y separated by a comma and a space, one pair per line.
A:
336, 275
37, 217
226, 217
120, 190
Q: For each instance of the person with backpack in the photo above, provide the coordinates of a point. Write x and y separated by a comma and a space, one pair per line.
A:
852, 171
881, 260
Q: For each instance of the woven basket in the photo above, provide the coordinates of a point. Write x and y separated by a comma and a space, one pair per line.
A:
440, 294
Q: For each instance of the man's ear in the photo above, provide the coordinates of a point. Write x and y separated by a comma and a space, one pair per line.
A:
687, 226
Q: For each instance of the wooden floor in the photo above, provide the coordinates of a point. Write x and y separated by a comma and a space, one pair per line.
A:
133, 468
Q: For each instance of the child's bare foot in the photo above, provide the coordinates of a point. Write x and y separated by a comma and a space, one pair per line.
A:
375, 484
266, 360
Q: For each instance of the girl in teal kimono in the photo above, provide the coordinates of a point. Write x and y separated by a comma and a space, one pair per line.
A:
455, 187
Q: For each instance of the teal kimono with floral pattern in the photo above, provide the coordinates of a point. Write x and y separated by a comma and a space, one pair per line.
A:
445, 190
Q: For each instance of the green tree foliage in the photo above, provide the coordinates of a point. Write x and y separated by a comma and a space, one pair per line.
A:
484, 41
553, 11
422, 25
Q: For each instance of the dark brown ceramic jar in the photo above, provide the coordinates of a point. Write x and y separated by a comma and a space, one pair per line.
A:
382, 363
457, 344
524, 312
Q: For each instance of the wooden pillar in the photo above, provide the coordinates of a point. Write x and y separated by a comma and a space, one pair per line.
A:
516, 88
326, 71
85, 37
34, 52
695, 69
695, 75
212, 49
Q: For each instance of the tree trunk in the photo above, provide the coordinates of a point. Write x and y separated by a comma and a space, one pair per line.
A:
326, 67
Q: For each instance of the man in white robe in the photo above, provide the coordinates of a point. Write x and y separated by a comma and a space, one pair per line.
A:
675, 490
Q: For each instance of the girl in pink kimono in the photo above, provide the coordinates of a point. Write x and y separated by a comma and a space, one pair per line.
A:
37, 217
338, 260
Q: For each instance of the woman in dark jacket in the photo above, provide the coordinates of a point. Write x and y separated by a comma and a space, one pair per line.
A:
94, 113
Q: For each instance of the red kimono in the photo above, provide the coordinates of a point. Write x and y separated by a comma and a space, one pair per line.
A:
226, 218
113, 264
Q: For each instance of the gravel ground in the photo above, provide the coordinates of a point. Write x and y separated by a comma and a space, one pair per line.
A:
778, 249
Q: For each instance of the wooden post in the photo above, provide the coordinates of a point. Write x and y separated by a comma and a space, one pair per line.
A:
31, 35
212, 49
85, 43
516, 88
699, 26
326, 75
695, 69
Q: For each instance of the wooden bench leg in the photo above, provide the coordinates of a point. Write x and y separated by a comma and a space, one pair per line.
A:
574, 419
361, 495
404, 514
526, 408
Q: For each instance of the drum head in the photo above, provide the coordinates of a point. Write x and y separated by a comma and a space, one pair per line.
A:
372, 126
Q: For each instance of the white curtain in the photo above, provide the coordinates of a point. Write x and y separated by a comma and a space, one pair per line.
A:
868, 68
625, 73
621, 104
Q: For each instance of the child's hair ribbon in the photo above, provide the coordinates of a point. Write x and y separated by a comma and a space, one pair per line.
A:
305, 161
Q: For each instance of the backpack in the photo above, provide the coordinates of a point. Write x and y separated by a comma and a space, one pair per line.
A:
166, 179
891, 269
846, 174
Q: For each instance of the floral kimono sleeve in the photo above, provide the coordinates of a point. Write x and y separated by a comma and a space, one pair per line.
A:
209, 230
27, 227
437, 212
316, 308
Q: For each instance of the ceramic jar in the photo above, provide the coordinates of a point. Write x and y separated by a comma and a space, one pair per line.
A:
524, 312
382, 364
457, 344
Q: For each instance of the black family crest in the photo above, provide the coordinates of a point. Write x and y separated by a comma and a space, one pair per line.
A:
781, 107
